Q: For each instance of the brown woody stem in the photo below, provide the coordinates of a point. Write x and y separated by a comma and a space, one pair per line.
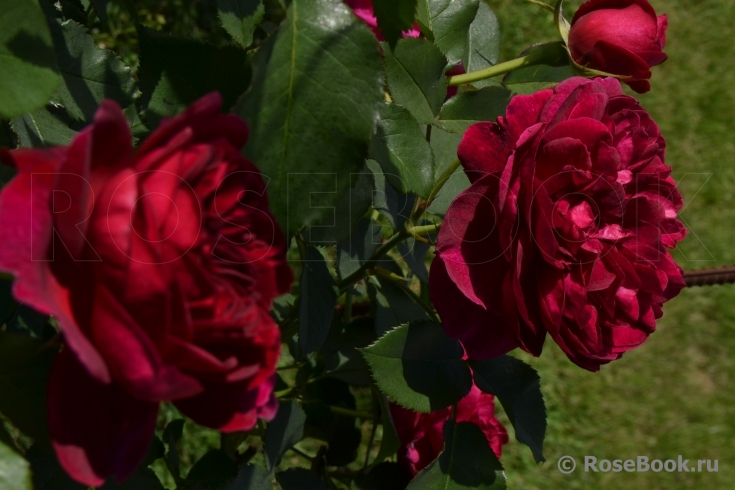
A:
710, 277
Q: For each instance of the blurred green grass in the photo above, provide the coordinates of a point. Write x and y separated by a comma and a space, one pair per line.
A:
673, 395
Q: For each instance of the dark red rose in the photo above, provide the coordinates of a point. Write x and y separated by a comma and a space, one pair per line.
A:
563, 229
160, 267
364, 11
422, 437
620, 37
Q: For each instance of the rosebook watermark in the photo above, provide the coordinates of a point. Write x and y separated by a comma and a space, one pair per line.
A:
641, 464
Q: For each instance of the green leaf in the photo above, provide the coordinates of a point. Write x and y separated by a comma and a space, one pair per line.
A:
250, 477
42, 129
318, 299
283, 432
175, 71
341, 432
15, 472
8, 304
28, 74
562, 25
390, 443
467, 461
394, 206
419, 367
518, 387
24, 368
415, 75
312, 108
393, 306
385, 476
171, 435
363, 243
448, 23
300, 479
343, 216
394, 17
414, 253
240, 18
401, 149
27, 321
471, 106
90, 74
483, 40
534, 78
341, 357
445, 145
212, 471
100, 6
173, 431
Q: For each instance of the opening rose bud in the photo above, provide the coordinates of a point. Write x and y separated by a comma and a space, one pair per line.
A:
620, 37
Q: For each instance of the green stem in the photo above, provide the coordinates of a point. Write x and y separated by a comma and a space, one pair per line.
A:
302, 454
397, 238
350, 413
542, 5
343, 411
348, 307
443, 178
388, 275
370, 444
420, 231
499, 69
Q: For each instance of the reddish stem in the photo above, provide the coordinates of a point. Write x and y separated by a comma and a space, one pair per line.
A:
710, 277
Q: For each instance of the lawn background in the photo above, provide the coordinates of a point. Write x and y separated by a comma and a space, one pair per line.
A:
673, 395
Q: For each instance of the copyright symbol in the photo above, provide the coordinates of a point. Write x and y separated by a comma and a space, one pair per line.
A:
566, 464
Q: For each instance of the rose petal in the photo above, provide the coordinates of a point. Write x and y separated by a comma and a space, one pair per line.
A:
97, 430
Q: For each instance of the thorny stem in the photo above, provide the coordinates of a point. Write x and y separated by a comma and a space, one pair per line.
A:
495, 70
710, 277
389, 275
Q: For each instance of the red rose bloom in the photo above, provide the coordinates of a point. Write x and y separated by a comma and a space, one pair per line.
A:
563, 229
160, 267
422, 436
621, 37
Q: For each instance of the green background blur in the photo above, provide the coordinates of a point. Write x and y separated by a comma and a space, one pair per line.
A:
674, 395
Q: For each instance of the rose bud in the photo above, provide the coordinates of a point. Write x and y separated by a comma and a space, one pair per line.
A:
422, 436
564, 229
620, 37
160, 267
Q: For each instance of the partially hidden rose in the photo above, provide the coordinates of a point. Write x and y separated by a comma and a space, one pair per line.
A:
160, 267
421, 434
620, 37
564, 229
363, 9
